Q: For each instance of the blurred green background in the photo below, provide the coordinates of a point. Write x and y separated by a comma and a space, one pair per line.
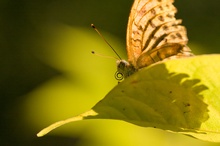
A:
48, 72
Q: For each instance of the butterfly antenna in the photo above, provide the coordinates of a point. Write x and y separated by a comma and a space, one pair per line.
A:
101, 55
93, 26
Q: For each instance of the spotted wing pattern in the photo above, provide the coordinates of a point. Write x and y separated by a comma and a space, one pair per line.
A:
154, 34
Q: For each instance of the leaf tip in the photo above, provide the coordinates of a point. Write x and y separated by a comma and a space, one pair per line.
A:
53, 126
41, 133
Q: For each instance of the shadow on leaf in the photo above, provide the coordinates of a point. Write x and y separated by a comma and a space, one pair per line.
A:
155, 97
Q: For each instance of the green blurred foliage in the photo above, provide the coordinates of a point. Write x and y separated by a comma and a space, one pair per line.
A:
48, 73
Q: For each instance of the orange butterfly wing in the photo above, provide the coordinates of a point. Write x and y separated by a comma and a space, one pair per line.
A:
154, 34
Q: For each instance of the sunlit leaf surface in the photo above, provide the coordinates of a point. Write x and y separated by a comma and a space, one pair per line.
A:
178, 95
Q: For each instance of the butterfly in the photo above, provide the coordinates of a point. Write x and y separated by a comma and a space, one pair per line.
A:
153, 35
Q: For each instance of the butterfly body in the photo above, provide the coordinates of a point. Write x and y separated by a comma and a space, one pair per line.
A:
153, 35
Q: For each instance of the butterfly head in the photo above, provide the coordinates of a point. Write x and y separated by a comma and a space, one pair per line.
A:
124, 69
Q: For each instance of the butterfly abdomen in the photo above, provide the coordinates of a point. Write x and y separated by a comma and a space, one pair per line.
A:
164, 52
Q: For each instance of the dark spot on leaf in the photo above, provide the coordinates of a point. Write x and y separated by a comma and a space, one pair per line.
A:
186, 104
171, 92
186, 112
134, 82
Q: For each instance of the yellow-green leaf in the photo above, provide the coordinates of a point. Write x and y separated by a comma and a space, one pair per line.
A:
180, 95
